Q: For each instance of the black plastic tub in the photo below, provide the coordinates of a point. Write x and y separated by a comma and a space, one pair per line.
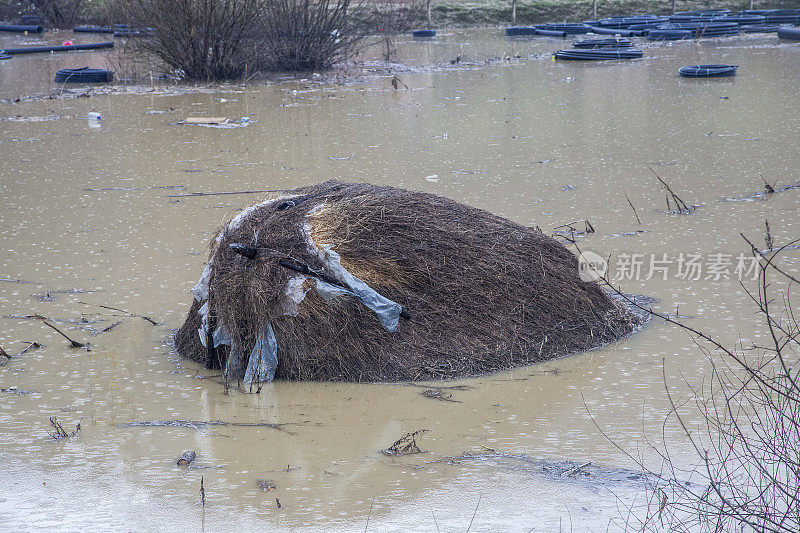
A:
704, 29
776, 16
61, 48
602, 43
611, 31
789, 33
743, 20
697, 16
84, 75
518, 31
21, 28
625, 22
424, 34
669, 35
93, 29
596, 55
550, 33
646, 26
761, 28
571, 28
708, 71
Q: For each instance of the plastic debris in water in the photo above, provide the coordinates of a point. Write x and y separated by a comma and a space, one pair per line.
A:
94, 120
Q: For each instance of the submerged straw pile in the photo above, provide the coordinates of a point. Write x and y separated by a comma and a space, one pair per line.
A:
355, 282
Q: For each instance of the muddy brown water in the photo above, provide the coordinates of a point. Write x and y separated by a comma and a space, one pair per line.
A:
88, 220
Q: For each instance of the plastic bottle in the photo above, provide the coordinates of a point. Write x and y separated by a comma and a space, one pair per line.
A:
94, 120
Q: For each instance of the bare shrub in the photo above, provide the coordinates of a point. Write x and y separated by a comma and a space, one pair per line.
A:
203, 39
311, 34
747, 473
59, 13
228, 39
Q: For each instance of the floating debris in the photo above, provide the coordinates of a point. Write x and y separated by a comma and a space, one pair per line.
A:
187, 458
201, 424
405, 445
267, 484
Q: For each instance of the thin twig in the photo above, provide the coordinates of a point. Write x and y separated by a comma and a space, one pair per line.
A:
680, 204
130, 314
369, 514
73, 344
33, 345
475, 513
192, 194
634, 209
575, 469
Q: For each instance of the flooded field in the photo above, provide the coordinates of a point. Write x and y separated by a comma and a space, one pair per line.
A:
96, 231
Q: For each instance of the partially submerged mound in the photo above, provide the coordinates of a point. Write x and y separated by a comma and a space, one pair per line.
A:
356, 282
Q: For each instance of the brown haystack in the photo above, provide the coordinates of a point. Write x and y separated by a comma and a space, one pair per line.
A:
479, 293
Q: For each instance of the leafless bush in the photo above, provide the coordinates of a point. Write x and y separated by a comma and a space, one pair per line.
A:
228, 39
311, 34
203, 39
747, 477
58, 13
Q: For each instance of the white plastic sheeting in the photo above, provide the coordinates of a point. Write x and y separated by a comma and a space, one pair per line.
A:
203, 329
388, 311
263, 359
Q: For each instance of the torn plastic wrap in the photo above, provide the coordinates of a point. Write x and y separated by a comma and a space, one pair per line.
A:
263, 359
293, 294
200, 291
202, 331
388, 311
328, 292
232, 364
221, 336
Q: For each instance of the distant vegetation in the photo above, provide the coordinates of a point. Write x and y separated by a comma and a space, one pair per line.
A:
229, 39
63, 13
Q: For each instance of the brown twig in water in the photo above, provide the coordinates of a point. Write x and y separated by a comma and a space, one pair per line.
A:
73, 344
31, 345
109, 328
3, 353
191, 194
679, 204
202, 493
130, 314
60, 432
634, 209
769, 189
